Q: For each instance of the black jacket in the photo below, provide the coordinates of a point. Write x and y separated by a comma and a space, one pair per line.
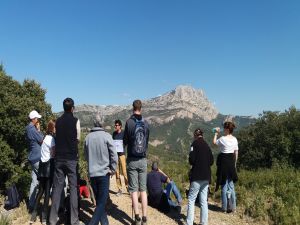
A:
225, 169
201, 159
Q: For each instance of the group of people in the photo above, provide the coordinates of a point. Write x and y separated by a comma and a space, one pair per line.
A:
201, 159
55, 156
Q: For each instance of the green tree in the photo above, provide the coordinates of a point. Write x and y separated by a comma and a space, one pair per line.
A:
16, 101
274, 138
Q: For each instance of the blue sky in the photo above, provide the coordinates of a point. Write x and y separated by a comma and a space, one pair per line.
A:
245, 55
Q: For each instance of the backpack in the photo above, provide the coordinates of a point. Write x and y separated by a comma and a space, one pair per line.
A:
13, 198
139, 147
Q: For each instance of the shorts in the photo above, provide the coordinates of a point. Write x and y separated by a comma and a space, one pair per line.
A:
137, 174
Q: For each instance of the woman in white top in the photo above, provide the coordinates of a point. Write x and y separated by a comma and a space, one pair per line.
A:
226, 166
45, 172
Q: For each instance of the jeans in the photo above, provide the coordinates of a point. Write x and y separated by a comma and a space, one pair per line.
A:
100, 187
63, 168
33, 185
198, 187
121, 166
172, 188
228, 192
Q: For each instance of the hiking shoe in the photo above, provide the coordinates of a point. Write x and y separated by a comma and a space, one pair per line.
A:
119, 193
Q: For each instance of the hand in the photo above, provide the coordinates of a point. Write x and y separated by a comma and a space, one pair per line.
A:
38, 126
111, 173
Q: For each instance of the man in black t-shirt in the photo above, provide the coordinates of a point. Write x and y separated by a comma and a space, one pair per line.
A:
157, 196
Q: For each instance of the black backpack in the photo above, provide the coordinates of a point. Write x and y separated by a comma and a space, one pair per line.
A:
139, 147
13, 198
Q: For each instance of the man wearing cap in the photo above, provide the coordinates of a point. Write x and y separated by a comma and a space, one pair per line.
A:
102, 159
34, 139
66, 159
157, 196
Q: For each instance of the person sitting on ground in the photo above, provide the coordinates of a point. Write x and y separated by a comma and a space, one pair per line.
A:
157, 196
83, 189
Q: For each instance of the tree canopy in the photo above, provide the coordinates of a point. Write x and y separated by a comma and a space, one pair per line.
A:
16, 101
273, 139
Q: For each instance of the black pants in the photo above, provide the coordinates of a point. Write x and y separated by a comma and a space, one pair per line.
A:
44, 187
64, 168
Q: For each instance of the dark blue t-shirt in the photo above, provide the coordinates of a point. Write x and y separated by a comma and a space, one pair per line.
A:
155, 180
119, 136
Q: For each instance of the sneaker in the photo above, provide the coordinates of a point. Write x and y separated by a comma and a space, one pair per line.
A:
119, 193
144, 220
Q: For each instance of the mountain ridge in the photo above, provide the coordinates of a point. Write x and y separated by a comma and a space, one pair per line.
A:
182, 102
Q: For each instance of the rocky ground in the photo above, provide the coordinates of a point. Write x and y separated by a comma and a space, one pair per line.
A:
120, 212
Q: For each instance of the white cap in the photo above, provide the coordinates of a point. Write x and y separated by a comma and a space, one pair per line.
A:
34, 114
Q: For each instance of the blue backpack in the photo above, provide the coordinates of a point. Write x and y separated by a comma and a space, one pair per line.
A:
139, 147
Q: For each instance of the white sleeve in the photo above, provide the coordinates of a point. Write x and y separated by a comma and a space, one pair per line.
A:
237, 145
78, 130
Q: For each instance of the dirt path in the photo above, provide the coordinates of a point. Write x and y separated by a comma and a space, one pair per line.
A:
120, 212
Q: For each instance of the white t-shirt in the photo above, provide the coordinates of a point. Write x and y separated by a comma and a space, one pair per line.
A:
46, 147
228, 144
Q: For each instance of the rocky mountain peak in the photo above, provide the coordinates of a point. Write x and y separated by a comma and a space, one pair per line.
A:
182, 102
186, 93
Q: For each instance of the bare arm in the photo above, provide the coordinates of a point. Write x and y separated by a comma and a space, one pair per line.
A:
216, 135
215, 139
168, 179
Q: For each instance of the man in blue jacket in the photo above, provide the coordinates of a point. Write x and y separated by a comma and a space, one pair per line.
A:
34, 139
102, 159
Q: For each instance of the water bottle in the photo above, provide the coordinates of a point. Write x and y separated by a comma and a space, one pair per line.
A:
216, 129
